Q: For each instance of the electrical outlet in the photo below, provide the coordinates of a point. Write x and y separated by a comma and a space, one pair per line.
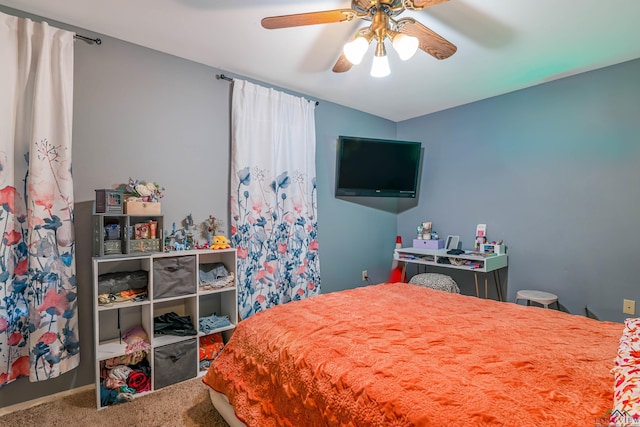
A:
365, 275
629, 306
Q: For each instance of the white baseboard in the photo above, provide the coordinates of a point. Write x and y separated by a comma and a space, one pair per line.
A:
44, 399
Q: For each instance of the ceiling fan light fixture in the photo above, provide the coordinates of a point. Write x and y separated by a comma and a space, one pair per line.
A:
380, 66
405, 45
354, 50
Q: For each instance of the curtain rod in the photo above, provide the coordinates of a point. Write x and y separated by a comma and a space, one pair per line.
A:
88, 39
229, 79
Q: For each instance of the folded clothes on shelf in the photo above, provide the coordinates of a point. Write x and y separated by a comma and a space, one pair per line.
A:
173, 324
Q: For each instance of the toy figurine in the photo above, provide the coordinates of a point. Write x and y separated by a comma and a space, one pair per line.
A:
220, 242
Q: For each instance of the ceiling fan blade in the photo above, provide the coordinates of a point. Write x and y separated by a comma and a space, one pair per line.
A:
419, 4
429, 41
310, 18
342, 65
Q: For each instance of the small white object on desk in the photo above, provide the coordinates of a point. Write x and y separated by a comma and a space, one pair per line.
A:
493, 248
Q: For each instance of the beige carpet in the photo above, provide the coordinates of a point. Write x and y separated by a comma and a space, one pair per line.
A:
183, 404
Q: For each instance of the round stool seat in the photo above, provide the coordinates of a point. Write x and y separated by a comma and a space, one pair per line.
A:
541, 297
437, 281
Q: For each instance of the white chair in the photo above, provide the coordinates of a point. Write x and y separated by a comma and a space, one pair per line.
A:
541, 297
437, 281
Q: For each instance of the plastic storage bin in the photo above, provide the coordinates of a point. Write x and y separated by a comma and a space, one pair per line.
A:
174, 276
174, 363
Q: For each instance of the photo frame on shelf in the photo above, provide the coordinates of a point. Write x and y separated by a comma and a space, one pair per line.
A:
452, 242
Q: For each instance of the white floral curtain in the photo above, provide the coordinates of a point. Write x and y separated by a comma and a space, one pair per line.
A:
274, 223
38, 304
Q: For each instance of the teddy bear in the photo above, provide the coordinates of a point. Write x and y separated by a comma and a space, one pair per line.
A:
220, 242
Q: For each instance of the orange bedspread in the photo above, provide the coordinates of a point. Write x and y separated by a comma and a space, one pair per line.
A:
400, 355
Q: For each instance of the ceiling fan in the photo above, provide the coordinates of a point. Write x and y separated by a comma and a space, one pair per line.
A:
406, 34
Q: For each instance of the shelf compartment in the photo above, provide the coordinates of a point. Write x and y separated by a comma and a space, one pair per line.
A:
115, 323
210, 278
113, 276
142, 381
220, 304
185, 306
109, 234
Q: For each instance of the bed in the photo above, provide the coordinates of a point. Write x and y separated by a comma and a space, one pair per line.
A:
397, 354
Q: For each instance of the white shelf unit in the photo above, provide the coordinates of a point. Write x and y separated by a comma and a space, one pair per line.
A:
113, 320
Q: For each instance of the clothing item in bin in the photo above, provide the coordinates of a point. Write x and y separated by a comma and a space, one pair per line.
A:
122, 286
209, 273
119, 383
213, 322
136, 350
214, 276
173, 324
210, 346
114, 283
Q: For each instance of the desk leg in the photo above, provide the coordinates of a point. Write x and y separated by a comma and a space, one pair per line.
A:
475, 276
496, 278
404, 271
486, 287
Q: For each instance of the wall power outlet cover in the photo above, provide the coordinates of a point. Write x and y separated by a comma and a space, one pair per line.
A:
629, 306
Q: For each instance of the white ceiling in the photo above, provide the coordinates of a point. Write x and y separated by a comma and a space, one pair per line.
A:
503, 45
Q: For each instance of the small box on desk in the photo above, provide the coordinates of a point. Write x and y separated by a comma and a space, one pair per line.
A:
109, 201
493, 249
141, 208
428, 244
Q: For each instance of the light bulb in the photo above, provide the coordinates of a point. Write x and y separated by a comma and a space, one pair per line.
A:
405, 45
380, 67
354, 50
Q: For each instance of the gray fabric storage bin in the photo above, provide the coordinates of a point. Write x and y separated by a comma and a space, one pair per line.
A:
174, 363
174, 276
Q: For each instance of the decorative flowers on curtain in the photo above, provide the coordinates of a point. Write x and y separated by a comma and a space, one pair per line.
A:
276, 240
273, 198
38, 289
37, 274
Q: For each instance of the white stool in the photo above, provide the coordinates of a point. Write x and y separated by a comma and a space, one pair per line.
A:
544, 298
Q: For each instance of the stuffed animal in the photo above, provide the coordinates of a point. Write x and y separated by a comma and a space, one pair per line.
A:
220, 242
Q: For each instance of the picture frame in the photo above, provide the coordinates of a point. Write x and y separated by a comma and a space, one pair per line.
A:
452, 242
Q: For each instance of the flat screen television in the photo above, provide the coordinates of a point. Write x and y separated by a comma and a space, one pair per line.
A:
377, 167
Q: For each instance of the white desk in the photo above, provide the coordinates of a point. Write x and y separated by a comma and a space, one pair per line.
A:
475, 262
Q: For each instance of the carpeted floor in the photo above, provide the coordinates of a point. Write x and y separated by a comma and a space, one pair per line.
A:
183, 404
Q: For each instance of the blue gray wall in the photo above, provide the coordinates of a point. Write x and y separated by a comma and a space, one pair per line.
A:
554, 171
